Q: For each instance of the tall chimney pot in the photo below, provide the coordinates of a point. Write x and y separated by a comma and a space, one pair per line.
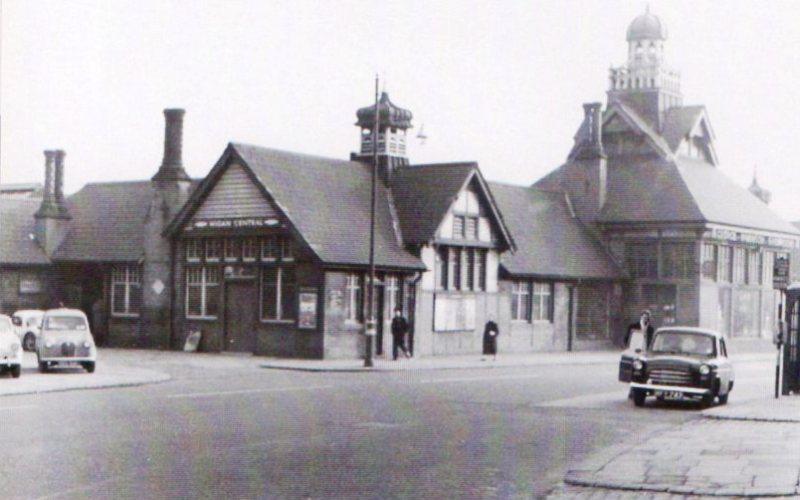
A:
58, 183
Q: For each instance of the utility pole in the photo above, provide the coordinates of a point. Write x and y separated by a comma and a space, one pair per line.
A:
370, 327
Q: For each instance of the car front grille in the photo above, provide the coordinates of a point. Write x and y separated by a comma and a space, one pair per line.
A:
68, 349
670, 376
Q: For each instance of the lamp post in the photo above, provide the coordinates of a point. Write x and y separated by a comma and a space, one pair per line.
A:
369, 329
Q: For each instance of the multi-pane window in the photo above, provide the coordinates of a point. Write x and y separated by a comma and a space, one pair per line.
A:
194, 250
724, 257
442, 268
353, 299
458, 227
278, 286
480, 268
739, 265
459, 268
232, 249
542, 301
677, 260
520, 303
642, 258
709, 261
270, 248
471, 228
753, 267
393, 291
126, 291
455, 259
202, 292
213, 249
287, 249
249, 249
470, 269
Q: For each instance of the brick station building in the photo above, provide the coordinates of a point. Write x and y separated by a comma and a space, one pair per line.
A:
268, 253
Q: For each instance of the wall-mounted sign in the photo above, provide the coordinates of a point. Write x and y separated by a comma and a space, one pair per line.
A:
453, 312
732, 236
307, 317
30, 284
780, 272
245, 223
239, 272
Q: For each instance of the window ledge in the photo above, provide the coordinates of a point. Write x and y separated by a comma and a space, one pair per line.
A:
124, 316
202, 318
278, 321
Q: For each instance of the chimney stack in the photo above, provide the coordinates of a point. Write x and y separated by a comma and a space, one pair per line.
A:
49, 206
52, 218
58, 183
172, 165
592, 115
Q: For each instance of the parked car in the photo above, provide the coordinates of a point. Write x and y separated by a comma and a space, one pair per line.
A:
66, 340
10, 348
28, 323
682, 363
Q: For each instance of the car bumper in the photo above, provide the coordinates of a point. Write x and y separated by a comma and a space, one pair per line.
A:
698, 391
66, 360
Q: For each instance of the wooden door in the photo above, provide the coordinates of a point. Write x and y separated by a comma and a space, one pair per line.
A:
241, 309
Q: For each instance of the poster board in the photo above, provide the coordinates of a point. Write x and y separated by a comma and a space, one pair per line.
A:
453, 313
307, 318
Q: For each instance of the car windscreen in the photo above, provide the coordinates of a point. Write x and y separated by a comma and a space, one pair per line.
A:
688, 343
64, 323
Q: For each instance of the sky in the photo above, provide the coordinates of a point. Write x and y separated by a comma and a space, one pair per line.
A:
501, 83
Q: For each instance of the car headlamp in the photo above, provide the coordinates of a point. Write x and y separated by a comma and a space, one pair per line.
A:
638, 365
87, 344
705, 369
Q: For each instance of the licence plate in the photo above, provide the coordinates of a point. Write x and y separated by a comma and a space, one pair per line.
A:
670, 395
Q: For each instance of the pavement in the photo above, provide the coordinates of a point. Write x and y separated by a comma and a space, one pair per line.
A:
107, 374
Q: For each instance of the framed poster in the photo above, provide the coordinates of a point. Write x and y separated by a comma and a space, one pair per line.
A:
30, 284
307, 318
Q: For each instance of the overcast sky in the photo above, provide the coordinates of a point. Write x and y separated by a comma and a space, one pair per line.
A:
497, 82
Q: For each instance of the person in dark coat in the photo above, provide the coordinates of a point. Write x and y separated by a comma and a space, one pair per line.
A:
399, 333
645, 326
490, 334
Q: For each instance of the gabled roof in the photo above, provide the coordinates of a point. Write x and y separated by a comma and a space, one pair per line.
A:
551, 242
680, 121
326, 201
638, 124
17, 225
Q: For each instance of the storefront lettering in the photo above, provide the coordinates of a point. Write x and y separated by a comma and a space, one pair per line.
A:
232, 223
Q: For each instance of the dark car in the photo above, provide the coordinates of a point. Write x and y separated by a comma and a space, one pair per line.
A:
682, 363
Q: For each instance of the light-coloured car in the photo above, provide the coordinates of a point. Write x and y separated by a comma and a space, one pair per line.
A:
10, 348
66, 340
28, 323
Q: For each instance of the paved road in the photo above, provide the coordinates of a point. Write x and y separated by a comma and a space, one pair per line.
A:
236, 431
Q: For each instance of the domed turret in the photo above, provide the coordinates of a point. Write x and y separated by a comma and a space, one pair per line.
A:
390, 115
390, 146
647, 27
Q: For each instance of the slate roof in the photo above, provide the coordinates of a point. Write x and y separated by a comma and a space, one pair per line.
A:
550, 241
678, 122
424, 193
328, 202
17, 224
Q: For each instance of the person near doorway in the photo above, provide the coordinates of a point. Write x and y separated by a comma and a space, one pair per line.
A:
490, 333
99, 321
645, 326
399, 333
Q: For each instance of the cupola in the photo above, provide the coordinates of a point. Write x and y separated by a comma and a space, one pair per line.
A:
393, 124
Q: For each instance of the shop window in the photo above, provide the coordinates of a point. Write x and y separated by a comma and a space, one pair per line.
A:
213, 250
202, 292
542, 302
739, 265
353, 300
754, 267
709, 261
249, 249
642, 258
126, 291
677, 260
194, 250
232, 250
270, 248
520, 301
724, 257
458, 227
278, 286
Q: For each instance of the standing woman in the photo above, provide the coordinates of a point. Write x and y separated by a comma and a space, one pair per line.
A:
490, 334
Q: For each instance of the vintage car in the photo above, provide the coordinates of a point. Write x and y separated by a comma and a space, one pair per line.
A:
66, 340
682, 363
28, 323
10, 348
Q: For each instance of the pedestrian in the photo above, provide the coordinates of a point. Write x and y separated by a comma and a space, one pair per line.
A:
399, 334
490, 334
645, 326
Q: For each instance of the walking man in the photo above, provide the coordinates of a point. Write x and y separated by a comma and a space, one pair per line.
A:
399, 333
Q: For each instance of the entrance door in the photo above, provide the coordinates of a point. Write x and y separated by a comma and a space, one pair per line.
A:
241, 308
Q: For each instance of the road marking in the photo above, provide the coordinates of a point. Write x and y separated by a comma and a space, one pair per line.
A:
247, 391
21, 407
476, 379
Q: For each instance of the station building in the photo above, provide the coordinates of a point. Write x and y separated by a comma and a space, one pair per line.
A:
269, 252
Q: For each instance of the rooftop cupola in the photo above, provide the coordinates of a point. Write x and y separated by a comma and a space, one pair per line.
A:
393, 123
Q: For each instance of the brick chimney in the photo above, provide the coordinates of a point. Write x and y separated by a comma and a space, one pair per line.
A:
52, 218
172, 165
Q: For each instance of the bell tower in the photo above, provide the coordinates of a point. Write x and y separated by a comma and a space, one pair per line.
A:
645, 83
393, 125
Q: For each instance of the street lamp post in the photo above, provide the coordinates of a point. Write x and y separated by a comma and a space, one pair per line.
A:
370, 330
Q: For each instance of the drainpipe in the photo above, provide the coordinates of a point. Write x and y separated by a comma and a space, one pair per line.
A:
570, 321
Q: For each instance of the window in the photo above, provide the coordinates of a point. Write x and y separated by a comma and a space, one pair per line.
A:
470, 268
542, 302
126, 291
460, 268
520, 301
642, 259
754, 271
768, 263
232, 250
677, 260
709, 261
202, 292
270, 249
724, 263
213, 250
739, 265
455, 258
278, 293
353, 300
194, 250
458, 226
480, 268
442, 268
287, 249
471, 228
249, 249
393, 289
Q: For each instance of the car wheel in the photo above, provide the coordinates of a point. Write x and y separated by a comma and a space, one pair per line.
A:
43, 366
89, 366
707, 401
723, 399
16, 371
639, 396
